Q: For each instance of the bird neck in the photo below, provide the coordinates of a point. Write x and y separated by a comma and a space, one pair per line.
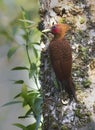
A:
59, 36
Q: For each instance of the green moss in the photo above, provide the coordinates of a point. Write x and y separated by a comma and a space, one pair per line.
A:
54, 126
78, 113
86, 83
64, 127
51, 118
82, 20
88, 114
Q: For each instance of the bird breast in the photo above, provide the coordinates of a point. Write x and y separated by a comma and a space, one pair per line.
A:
60, 49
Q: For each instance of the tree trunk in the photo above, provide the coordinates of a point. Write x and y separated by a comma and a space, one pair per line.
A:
58, 115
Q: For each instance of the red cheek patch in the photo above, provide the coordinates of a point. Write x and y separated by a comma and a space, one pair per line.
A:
55, 30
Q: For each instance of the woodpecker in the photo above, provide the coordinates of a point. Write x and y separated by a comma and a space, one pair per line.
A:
61, 58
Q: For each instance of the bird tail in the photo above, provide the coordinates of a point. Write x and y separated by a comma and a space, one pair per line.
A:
69, 86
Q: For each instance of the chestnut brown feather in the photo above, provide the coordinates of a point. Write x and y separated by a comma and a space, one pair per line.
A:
61, 58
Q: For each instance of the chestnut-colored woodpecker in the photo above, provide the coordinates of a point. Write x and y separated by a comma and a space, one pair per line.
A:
61, 58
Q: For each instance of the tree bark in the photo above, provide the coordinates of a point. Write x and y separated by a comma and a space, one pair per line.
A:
56, 114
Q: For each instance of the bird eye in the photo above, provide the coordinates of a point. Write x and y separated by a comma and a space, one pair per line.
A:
54, 27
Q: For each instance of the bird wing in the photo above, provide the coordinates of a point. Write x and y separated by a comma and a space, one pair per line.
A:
61, 59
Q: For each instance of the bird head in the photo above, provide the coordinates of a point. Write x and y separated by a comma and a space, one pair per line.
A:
58, 30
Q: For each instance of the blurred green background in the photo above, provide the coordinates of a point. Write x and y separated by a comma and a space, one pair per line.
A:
11, 36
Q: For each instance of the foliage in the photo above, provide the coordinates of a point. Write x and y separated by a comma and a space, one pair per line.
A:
30, 98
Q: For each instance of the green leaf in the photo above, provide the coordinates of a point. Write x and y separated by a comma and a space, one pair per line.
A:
35, 52
24, 91
35, 43
20, 68
32, 126
20, 126
24, 95
33, 70
36, 82
23, 117
34, 101
31, 98
29, 112
11, 103
19, 82
11, 52
18, 95
32, 44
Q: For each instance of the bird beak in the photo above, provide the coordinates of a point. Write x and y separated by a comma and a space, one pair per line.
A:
46, 30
